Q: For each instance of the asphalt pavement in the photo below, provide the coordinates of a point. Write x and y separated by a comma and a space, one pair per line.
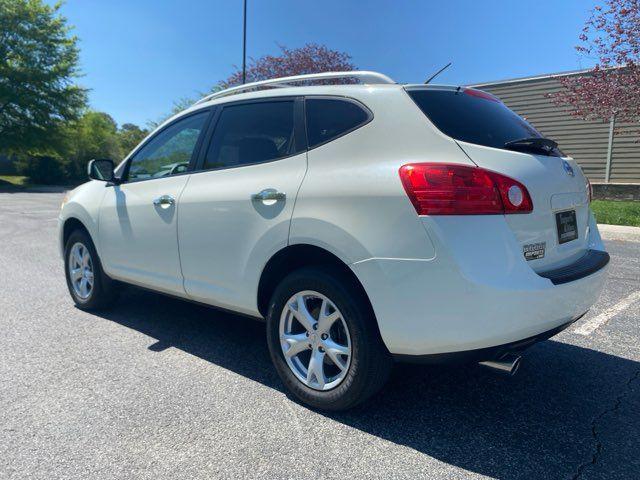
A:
164, 389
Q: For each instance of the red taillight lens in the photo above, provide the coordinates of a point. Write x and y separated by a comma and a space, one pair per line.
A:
450, 189
481, 94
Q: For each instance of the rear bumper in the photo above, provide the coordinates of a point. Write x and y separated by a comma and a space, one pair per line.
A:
590, 263
484, 354
477, 293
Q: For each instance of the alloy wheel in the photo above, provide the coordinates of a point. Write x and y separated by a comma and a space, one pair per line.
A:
315, 340
81, 270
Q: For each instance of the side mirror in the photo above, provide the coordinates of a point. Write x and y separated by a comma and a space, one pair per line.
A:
101, 169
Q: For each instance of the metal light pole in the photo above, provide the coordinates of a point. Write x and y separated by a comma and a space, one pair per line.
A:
244, 45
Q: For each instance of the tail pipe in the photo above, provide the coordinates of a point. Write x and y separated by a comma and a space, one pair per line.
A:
507, 364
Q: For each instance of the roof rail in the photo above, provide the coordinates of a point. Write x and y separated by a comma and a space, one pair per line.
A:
363, 76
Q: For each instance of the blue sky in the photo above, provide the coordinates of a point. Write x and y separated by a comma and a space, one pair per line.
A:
138, 56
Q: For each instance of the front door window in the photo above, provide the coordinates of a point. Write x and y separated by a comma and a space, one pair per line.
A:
169, 152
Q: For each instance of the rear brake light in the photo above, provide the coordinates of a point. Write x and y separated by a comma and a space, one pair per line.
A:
451, 189
481, 94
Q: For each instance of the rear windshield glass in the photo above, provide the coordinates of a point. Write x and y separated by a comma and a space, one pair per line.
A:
473, 116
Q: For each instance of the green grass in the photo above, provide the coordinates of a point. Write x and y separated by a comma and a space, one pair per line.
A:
15, 180
617, 212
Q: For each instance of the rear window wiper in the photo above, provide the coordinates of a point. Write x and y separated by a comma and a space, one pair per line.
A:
532, 144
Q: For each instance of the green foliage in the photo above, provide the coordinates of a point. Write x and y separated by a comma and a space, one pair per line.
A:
181, 105
38, 59
615, 212
130, 136
178, 106
94, 135
42, 170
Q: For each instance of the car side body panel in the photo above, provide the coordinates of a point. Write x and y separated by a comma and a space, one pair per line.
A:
352, 201
226, 238
138, 239
83, 204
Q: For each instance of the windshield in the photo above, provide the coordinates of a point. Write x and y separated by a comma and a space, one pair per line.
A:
473, 116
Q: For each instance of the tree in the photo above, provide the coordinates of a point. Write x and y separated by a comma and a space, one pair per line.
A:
129, 136
94, 135
178, 106
612, 36
311, 58
38, 60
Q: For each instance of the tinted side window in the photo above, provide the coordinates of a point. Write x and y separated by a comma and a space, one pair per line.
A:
252, 133
169, 152
328, 118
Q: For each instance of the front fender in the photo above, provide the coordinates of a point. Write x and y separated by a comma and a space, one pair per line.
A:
83, 204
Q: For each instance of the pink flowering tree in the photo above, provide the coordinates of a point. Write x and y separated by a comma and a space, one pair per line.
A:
311, 58
611, 36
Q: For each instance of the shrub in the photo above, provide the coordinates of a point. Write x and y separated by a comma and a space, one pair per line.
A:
42, 170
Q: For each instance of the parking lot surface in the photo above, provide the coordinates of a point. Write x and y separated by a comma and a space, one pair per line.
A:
161, 388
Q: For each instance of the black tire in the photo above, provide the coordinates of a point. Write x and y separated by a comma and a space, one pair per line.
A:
104, 290
371, 362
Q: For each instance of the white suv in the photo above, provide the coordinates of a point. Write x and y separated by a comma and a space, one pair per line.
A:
365, 222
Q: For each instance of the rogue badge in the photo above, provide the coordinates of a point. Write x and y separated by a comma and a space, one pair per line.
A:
533, 251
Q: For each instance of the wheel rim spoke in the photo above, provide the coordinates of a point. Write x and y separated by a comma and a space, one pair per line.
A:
335, 352
83, 287
76, 274
77, 257
326, 319
86, 258
297, 343
315, 372
302, 314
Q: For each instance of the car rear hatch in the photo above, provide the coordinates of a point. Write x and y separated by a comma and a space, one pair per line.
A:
555, 233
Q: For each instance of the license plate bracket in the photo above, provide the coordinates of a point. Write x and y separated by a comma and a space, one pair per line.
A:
567, 226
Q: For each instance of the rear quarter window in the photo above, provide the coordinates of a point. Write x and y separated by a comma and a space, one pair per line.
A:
330, 118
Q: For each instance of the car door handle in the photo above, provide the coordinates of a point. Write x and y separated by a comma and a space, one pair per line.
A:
165, 201
269, 194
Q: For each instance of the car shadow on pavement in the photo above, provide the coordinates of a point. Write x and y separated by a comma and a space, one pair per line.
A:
569, 411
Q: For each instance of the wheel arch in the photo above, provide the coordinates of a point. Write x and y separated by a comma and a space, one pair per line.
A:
294, 257
72, 224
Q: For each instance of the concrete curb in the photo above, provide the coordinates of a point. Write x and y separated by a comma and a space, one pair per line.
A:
619, 232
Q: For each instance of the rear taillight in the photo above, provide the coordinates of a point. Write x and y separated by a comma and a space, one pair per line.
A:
451, 189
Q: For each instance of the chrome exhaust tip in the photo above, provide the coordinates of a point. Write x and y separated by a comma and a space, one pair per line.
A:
507, 364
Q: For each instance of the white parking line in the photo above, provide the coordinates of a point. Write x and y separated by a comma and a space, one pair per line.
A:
596, 322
